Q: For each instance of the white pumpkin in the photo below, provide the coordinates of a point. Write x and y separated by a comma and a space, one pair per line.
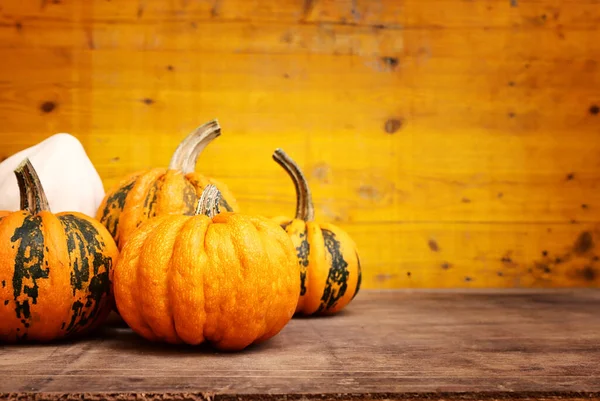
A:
68, 176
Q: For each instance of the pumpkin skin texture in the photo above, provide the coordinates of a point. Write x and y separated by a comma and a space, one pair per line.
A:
229, 279
330, 271
156, 192
55, 269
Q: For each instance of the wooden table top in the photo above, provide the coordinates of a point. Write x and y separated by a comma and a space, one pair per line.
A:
397, 344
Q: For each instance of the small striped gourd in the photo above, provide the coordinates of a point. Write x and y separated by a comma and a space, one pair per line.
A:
55, 269
158, 191
330, 273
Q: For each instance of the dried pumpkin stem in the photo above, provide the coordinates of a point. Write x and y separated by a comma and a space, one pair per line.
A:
304, 205
186, 155
33, 198
209, 201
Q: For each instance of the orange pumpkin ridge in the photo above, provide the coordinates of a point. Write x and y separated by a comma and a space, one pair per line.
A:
228, 279
330, 271
147, 194
55, 270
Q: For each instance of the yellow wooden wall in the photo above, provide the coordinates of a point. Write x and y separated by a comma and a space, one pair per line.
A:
458, 141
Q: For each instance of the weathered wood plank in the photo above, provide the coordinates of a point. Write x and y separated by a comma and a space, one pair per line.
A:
408, 117
383, 343
455, 255
408, 14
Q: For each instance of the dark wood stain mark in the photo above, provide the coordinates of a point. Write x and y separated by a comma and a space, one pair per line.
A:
115, 159
594, 109
48, 106
544, 253
556, 15
214, 11
588, 273
558, 260
506, 259
466, 200
286, 75
308, 7
500, 274
542, 266
500, 195
511, 83
514, 3
368, 192
170, 67
408, 274
570, 176
433, 245
287, 37
18, 26
140, 10
391, 62
392, 125
355, 12
584, 243
511, 114
90, 39
193, 24
467, 279
148, 101
446, 265
573, 221
584, 206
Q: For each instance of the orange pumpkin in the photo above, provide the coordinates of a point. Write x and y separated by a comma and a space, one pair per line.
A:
228, 279
55, 269
330, 272
146, 194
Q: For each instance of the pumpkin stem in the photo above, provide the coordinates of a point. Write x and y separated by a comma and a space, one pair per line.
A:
33, 198
209, 201
185, 156
304, 205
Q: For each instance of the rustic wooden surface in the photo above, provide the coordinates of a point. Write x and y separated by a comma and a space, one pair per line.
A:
468, 122
510, 343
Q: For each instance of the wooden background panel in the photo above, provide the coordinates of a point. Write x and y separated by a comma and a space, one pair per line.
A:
412, 119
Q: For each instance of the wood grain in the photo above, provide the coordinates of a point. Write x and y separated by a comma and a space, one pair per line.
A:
408, 117
384, 343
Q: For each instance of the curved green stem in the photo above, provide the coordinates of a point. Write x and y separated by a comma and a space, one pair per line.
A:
33, 197
186, 155
304, 205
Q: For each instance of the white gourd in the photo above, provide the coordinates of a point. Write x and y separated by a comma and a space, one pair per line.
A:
69, 179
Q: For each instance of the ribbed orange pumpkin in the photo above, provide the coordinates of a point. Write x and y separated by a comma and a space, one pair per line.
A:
228, 279
55, 269
329, 264
159, 191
